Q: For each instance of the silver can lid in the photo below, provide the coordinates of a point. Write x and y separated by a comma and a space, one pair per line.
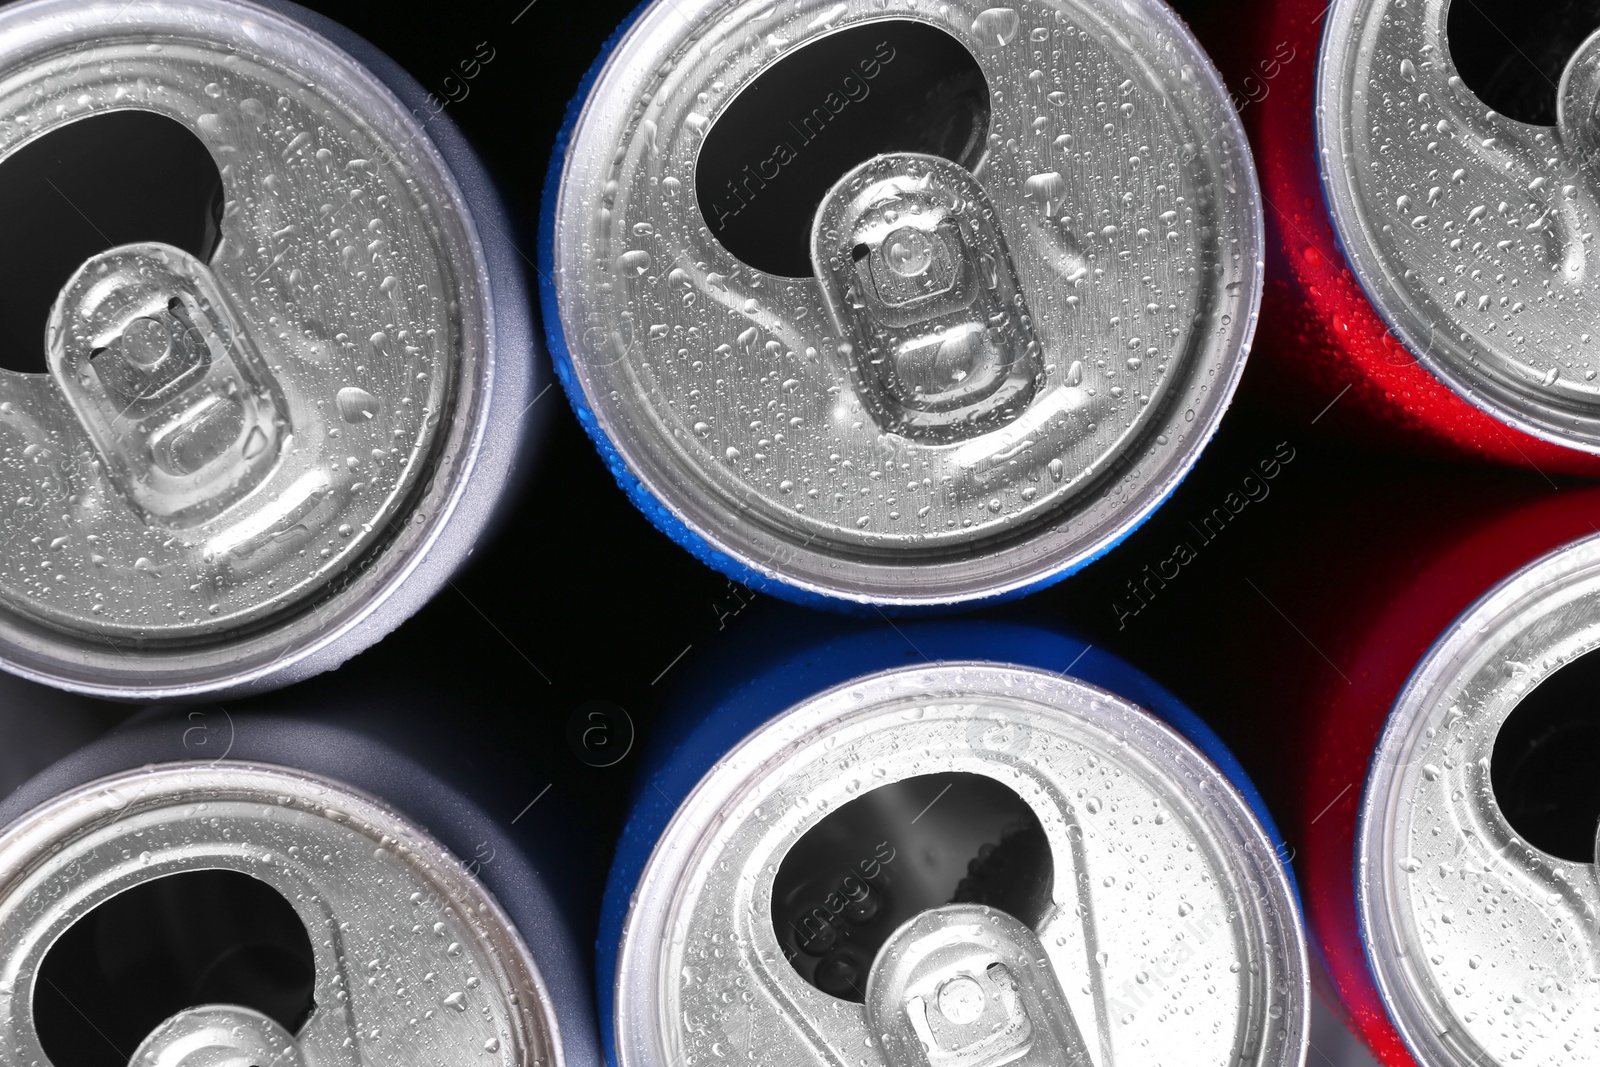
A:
963, 864
227, 458
412, 960
1470, 231
1483, 943
1006, 346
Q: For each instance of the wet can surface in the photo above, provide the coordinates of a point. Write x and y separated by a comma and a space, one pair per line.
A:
908, 307
290, 887
957, 862
1475, 847
1431, 249
1431, 733
239, 448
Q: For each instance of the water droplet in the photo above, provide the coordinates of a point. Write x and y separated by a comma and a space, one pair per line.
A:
634, 263
356, 405
996, 27
1048, 190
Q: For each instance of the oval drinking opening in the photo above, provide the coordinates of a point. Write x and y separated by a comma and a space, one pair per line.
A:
895, 852
792, 133
1545, 756
1512, 54
119, 178
178, 942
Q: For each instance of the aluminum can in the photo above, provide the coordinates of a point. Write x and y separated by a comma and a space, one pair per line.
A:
251, 442
912, 307
1400, 660
1475, 842
1427, 289
1442, 632
297, 883
947, 843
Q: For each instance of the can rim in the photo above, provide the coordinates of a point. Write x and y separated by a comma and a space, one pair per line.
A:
1479, 636
483, 442
1019, 563
645, 928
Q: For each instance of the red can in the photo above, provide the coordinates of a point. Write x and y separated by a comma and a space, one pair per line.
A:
1316, 633
1370, 682
1422, 287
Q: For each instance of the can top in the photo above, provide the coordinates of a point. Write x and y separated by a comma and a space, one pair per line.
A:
1469, 230
1012, 320
220, 438
1481, 936
964, 864
410, 957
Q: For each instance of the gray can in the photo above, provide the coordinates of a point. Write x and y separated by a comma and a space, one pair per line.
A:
1475, 850
915, 305
241, 466
341, 878
1469, 230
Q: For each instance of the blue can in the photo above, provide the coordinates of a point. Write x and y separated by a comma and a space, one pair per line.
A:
986, 794
860, 310
340, 876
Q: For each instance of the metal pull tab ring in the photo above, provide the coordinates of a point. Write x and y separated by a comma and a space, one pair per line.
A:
969, 986
921, 285
219, 1036
181, 408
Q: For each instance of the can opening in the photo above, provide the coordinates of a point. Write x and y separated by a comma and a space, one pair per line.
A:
113, 179
1543, 768
1512, 53
789, 136
895, 852
185, 940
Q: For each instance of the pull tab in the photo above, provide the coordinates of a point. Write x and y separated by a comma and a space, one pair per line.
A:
181, 408
968, 986
218, 1036
921, 285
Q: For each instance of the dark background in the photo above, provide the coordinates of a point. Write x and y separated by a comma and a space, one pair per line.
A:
578, 600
